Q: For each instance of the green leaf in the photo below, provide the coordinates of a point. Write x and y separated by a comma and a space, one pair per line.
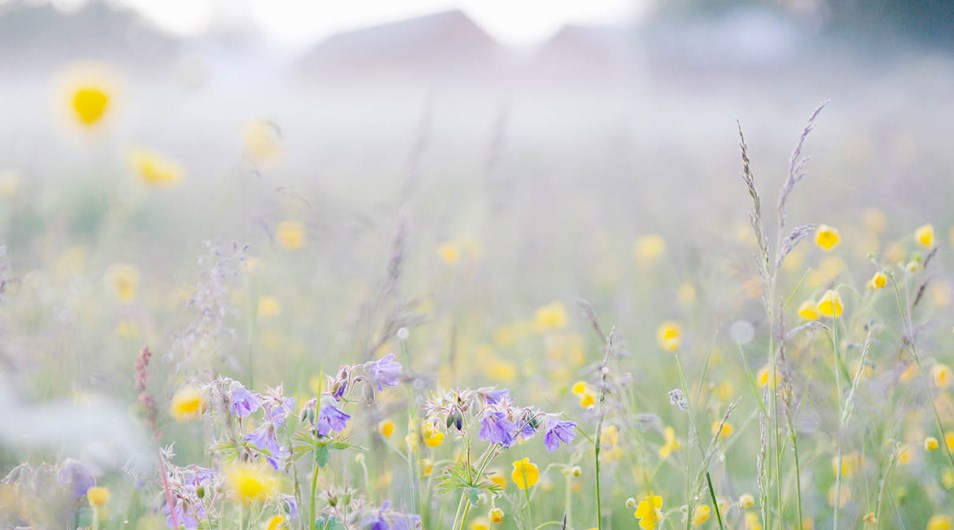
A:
322, 454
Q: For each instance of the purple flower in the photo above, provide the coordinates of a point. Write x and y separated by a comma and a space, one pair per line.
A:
244, 401
375, 522
331, 418
77, 476
558, 431
496, 428
384, 372
188, 520
527, 430
406, 522
265, 439
496, 396
290, 505
276, 411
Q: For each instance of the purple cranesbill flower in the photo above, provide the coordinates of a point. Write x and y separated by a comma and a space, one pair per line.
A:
265, 439
496, 396
290, 505
527, 430
384, 372
187, 519
276, 411
77, 476
405, 522
559, 431
496, 428
331, 418
244, 401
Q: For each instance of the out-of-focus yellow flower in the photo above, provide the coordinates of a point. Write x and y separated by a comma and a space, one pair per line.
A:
875, 220
870, 519
671, 443
496, 516
9, 185
947, 478
97, 496
909, 372
386, 428
250, 483
850, 463
153, 169
525, 474
930, 444
878, 281
827, 237
275, 522
432, 437
765, 377
480, 524
89, 101
700, 515
500, 370
127, 329
941, 375
449, 253
808, 311
949, 441
925, 236
497, 478
649, 249
752, 521
186, 403
290, 235
830, 304
727, 430
585, 394
940, 522
427, 467
905, 455
262, 140
269, 307
746, 501
649, 512
550, 316
123, 279
669, 335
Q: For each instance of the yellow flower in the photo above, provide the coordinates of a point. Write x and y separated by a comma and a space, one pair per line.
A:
878, 281
261, 140
386, 428
669, 335
870, 518
588, 399
269, 307
930, 443
186, 403
480, 524
949, 441
941, 375
449, 253
275, 522
940, 522
905, 455
153, 169
579, 388
550, 316
925, 236
849, 464
290, 235
830, 304
500, 370
765, 377
427, 467
671, 445
90, 103
498, 479
808, 311
746, 501
947, 478
701, 515
827, 237
752, 521
97, 496
525, 474
649, 249
496, 516
250, 483
727, 429
432, 437
648, 512
9, 185
123, 279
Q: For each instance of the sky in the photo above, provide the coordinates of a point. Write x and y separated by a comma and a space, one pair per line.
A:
293, 23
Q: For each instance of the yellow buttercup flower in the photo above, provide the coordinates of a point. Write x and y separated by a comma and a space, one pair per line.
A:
671, 443
579, 388
649, 512
550, 316
124, 280
930, 443
496, 516
746, 501
97, 496
808, 311
275, 522
290, 235
925, 236
941, 375
827, 237
386, 428
878, 281
727, 429
701, 515
186, 403
269, 307
949, 441
480, 524
432, 436
940, 522
153, 169
905, 455
250, 483
90, 103
765, 377
669, 335
525, 474
261, 139
449, 253
649, 249
870, 519
830, 304
752, 521
850, 463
